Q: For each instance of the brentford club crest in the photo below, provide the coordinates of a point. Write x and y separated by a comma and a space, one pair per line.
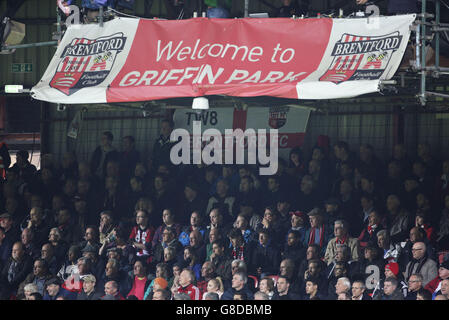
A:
361, 58
278, 117
86, 62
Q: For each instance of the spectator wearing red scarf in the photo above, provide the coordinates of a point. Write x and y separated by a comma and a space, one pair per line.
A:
318, 233
342, 237
369, 233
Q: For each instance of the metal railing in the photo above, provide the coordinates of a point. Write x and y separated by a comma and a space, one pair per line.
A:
422, 40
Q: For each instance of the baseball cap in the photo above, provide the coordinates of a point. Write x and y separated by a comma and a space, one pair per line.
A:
5, 215
89, 278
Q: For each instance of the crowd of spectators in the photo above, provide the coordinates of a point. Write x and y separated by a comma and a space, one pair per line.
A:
332, 224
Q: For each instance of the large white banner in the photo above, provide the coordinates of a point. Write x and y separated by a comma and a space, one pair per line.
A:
138, 60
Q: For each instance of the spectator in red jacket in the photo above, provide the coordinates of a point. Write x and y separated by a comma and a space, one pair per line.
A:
186, 280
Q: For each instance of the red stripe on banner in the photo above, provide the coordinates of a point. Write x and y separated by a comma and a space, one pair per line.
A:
337, 62
239, 120
353, 57
64, 65
291, 140
88, 59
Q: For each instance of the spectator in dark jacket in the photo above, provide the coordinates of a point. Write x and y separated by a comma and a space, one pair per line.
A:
47, 254
359, 291
25, 169
163, 145
368, 236
38, 276
14, 271
391, 291
312, 290
283, 290
5, 247
168, 240
113, 273
266, 257
129, 157
38, 226
239, 286
11, 230
294, 248
53, 289
102, 154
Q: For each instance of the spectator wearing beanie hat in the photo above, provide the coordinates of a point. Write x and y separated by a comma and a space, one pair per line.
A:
160, 283
156, 284
392, 271
394, 268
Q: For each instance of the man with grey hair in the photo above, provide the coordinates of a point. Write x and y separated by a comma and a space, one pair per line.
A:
343, 255
415, 284
359, 291
211, 296
113, 272
421, 264
239, 286
341, 238
261, 296
240, 266
186, 280
14, 271
181, 296
29, 245
390, 252
343, 285
29, 289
